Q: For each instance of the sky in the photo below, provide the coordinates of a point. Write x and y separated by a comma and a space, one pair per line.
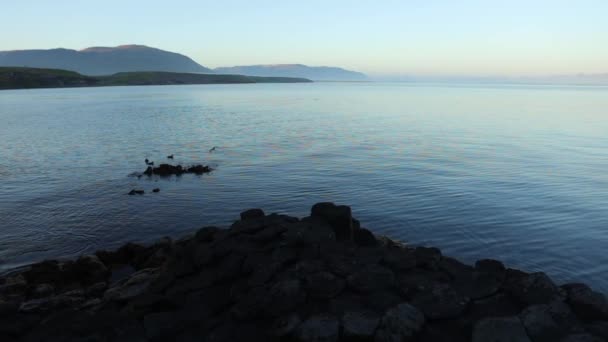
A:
381, 37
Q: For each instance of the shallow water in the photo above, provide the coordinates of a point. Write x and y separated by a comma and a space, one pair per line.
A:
516, 173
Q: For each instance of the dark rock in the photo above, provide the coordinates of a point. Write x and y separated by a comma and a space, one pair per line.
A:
500, 329
490, 266
87, 270
440, 301
400, 323
136, 192
206, 234
598, 328
252, 214
371, 278
548, 322
319, 328
156, 190
165, 170
132, 287
586, 303
285, 325
339, 217
359, 325
534, 288
45, 272
16, 285
285, 296
581, 338
324, 285
364, 237
427, 257
499, 305
399, 259
43, 290
161, 325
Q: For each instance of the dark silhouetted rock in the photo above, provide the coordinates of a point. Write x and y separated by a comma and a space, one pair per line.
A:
549, 322
400, 323
581, 338
156, 190
165, 170
319, 328
324, 285
371, 278
586, 303
533, 288
359, 325
364, 237
440, 301
252, 214
500, 329
136, 192
338, 216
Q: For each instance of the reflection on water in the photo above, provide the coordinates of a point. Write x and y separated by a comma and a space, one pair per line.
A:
509, 172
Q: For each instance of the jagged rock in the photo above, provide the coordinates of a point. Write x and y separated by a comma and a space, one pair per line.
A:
134, 286
498, 305
13, 286
500, 329
319, 329
400, 323
586, 303
252, 214
306, 233
338, 216
69, 299
580, 338
533, 288
549, 322
359, 325
324, 285
441, 301
371, 278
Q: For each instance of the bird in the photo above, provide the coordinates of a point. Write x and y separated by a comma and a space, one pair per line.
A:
170, 157
147, 160
212, 149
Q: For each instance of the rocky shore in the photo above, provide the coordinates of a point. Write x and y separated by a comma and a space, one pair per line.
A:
280, 278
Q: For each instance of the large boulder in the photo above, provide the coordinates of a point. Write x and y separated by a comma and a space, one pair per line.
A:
338, 216
324, 285
252, 214
529, 289
371, 278
359, 325
440, 301
586, 303
400, 324
549, 322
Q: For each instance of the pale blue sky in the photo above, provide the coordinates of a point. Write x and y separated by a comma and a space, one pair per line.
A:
464, 37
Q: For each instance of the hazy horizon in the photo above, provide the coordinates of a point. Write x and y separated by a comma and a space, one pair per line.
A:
385, 39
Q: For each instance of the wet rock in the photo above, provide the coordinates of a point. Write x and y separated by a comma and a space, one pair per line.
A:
136, 192
498, 305
441, 301
252, 214
371, 278
206, 234
43, 290
319, 328
69, 299
156, 190
165, 170
45, 272
324, 285
500, 329
87, 270
359, 325
338, 216
586, 303
400, 323
13, 286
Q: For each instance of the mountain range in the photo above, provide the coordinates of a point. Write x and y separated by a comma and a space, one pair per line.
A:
96, 61
322, 73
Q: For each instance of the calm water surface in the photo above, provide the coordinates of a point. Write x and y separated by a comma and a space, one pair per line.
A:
515, 173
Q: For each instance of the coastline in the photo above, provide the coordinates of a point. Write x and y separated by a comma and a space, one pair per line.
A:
276, 277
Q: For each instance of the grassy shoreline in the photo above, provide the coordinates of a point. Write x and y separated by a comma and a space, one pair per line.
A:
32, 78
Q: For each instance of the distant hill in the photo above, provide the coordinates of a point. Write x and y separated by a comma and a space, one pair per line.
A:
295, 70
25, 78
103, 60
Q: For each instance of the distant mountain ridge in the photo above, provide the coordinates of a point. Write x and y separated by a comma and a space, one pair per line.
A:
103, 60
320, 73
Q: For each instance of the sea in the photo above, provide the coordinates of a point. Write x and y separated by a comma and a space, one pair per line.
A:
517, 173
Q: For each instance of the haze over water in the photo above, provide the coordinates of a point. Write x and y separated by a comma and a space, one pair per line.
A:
516, 173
